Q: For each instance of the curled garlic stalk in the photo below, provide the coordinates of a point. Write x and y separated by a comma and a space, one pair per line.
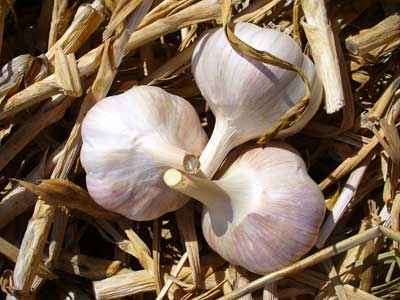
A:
129, 140
248, 97
264, 213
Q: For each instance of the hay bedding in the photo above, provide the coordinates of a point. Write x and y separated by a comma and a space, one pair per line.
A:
60, 57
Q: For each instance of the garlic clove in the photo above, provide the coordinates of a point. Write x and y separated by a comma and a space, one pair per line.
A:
129, 140
264, 213
248, 97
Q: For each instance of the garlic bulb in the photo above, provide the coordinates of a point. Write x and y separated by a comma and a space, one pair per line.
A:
248, 97
129, 140
264, 213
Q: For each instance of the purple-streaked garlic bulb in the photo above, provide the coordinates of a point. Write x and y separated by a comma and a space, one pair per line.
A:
248, 97
129, 141
264, 213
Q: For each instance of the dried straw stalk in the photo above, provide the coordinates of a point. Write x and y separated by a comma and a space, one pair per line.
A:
11, 252
320, 281
335, 280
368, 40
50, 113
341, 204
59, 8
350, 163
157, 255
128, 282
200, 12
67, 74
88, 267
13, 73
185, 221
133, 245
87, 19
307, 262
325, 50
20, 199
28, 259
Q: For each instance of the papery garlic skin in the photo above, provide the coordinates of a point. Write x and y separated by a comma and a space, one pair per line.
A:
264, 213
248, 97
129, 140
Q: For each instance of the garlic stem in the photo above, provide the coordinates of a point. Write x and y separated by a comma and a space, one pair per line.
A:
204, 190
221, 142
168, 155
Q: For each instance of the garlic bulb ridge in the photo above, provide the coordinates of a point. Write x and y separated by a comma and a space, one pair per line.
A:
248, 97
129, 140
264, 213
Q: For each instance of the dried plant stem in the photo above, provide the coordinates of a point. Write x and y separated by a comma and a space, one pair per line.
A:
270, 291
321, 37
87, 19
128, 282
89, 267
296, 22
350, 163
156, 255
186, 226
59, 8
20, 199
11, 252
170, 67
241, 281
141, 249
47, 87
61, 192
347, 263
393, 235
50, 113
12, 74
366, 276
385, 101
174, 273
197, 13
164, 9
133, 245
389, 138
395, 215
113, 287
372, 38
88, 64
335, 279
319, 281
67, 74
385, 216
258, 14
32, 246
306, 262
344, 199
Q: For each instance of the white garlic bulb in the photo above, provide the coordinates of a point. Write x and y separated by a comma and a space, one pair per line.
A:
264, 213
248, 97
129, 140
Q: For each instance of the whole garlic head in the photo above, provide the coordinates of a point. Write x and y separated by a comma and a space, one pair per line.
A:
129, 140
264, 213
248, 97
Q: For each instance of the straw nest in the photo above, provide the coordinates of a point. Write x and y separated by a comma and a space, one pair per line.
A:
60, 57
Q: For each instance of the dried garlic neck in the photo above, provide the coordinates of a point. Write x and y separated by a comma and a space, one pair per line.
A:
222, 140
